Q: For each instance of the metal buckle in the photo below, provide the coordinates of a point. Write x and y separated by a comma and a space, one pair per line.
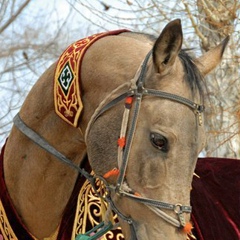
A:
178, 208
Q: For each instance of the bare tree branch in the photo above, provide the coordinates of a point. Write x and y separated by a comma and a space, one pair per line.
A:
14, 16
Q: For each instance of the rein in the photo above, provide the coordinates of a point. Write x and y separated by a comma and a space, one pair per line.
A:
134, 95
41, 142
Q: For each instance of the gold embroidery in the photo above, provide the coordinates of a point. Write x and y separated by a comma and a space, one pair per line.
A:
89, 212
67, 95
5, 227
67, 89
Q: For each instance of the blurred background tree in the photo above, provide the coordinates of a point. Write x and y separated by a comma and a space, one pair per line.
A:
34, 33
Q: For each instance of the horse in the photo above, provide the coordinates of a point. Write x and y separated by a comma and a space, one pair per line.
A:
139, 121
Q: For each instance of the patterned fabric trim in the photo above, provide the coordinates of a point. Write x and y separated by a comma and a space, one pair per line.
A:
5, 227
67, 89
90, 211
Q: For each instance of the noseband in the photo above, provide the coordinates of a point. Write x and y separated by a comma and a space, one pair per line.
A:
133, 95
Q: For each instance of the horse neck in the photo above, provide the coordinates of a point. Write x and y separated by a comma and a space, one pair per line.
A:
39, 185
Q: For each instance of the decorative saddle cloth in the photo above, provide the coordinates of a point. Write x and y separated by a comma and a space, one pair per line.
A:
67, 89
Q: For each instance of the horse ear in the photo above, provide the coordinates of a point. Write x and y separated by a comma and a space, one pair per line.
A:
167, 46
209, 60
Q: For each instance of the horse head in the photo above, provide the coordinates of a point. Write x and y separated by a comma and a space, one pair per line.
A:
160, 132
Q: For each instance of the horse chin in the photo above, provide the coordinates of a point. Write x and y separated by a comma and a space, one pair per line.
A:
151, 231
146, 232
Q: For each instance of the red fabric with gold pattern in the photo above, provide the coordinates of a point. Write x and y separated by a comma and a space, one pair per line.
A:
67, 89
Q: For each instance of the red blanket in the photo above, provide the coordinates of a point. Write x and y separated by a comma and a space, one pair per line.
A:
215, 199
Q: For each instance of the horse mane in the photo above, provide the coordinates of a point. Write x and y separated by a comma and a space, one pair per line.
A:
193, 76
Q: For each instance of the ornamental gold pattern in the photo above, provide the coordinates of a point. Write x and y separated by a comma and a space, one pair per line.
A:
67, 79
90, 212
5, 227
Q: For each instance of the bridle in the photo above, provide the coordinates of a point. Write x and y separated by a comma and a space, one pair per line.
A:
136, 93
133, 95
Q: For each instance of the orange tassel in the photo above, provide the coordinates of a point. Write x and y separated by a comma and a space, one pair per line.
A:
129, 100
113, 172
121, 142
187, 228
137, 194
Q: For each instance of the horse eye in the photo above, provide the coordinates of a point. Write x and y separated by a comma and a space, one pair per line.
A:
159, 141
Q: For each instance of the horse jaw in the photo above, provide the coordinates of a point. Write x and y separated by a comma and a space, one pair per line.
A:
158, 232
152, 229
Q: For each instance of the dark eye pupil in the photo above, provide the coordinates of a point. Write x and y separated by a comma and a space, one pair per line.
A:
158, 141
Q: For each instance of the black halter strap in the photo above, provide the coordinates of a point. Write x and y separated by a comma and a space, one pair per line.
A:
43, 143
140, 91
